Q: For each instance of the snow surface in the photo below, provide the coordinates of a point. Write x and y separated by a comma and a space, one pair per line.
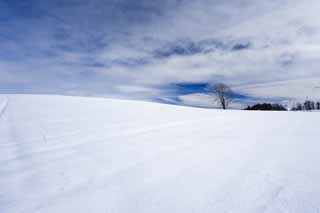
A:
70, 154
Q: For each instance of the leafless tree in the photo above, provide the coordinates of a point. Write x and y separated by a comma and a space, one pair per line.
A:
223, 94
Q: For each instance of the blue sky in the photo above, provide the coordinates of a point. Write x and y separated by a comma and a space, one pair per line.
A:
162, 49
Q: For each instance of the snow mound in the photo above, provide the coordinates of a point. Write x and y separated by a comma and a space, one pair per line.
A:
70, 154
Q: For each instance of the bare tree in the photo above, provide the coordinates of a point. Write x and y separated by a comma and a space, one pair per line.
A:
223, 93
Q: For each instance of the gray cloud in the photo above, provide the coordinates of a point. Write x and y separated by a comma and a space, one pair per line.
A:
136, 48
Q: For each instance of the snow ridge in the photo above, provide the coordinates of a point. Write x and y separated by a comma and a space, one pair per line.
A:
72, 154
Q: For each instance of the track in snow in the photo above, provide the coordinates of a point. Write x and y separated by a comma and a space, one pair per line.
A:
64, 154
3, 106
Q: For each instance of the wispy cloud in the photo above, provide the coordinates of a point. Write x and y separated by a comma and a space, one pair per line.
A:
139, 49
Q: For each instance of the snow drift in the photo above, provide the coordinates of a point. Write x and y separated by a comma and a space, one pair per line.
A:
69, 154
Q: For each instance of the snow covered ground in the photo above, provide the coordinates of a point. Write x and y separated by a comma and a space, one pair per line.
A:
70, 154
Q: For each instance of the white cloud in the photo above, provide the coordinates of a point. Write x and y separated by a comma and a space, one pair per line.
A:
284, 39
291, 90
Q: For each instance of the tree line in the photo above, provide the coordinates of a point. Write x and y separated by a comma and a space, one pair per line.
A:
224, 96
267, 107
307, 106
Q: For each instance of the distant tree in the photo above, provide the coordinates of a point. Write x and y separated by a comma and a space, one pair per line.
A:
318, 105
223, 94
309, 105
278, 107
313, 105
294, 107
299, 107
248, 108
267, 107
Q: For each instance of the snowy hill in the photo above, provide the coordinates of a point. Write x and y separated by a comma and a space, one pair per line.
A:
69, 154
